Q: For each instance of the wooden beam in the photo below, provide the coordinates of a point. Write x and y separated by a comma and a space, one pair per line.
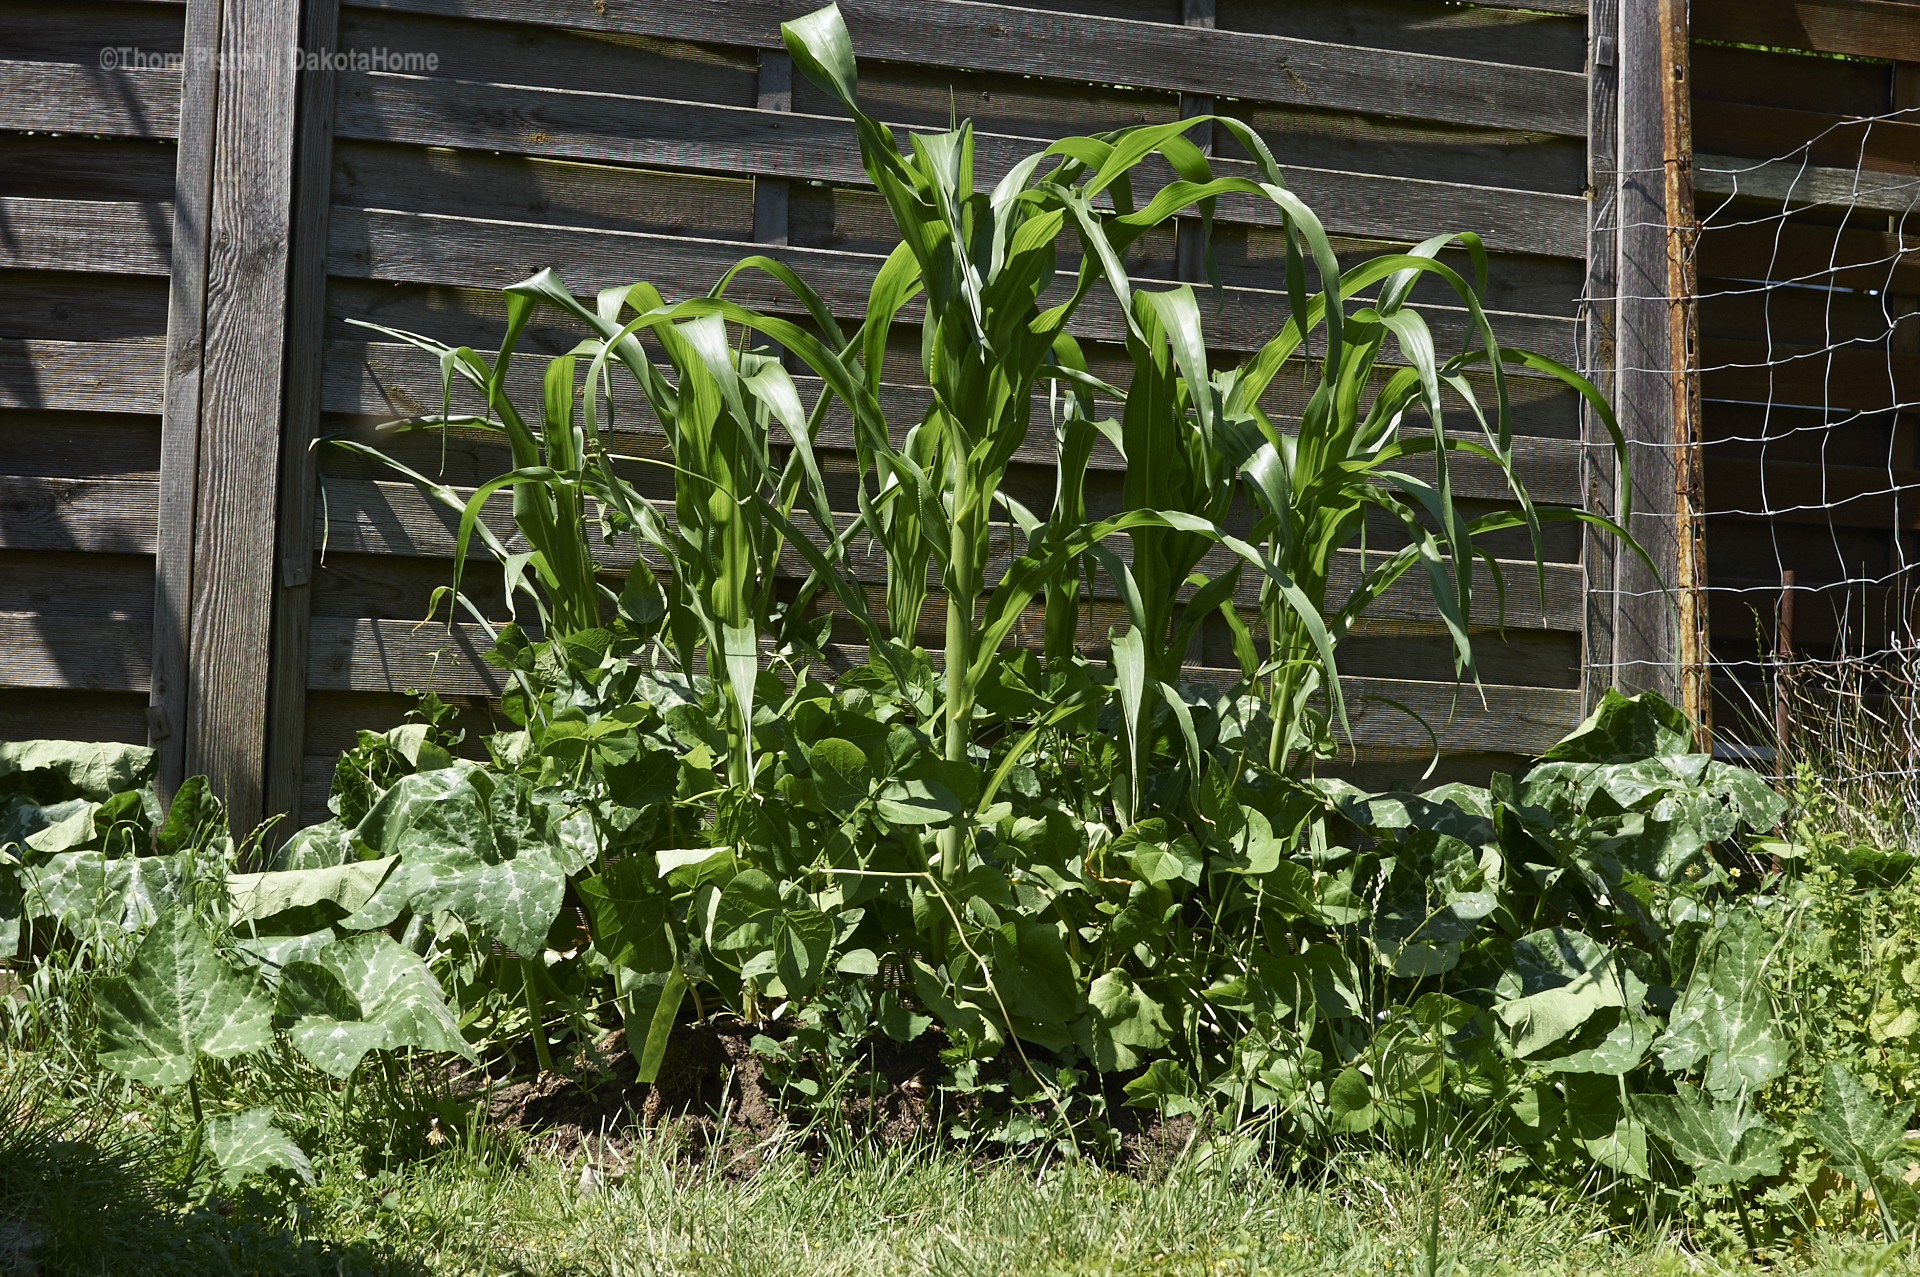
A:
65, 97
1600, 468
704, 137
1190, 248
1865, 28
305, 373
466, 252
226, 389
1792, 183
83, 376
770, 193
198, 112
1081, 47
1657, 618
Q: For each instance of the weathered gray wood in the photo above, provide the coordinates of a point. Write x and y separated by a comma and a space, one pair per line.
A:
86, 168
560, 57
524, 189
770, 193
244, 386
64, 97
82, 376
393, 656
701, 136
306, 325
1151, 55
76, 306
106, 587
394, 518
1647, 647
472, 253
1600, 475
1789, 181
79, 652
182, 392
85, 235
101, 516
25, 713
81, 445
75, 30
1542, 37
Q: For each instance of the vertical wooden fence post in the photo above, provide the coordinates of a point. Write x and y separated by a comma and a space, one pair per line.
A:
221, 443
180, 413
1658, 617
306, 335
774, 93
1600, 470
1190, 251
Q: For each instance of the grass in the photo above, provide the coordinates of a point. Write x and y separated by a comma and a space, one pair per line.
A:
102, 1195
96, 1177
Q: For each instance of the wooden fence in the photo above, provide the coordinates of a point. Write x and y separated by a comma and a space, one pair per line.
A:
1809, 264
187, 225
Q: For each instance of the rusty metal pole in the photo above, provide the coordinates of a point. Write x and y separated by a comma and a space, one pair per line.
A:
1782, 671
1683, 233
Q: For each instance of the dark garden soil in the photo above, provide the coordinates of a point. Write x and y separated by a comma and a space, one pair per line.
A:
715, 1103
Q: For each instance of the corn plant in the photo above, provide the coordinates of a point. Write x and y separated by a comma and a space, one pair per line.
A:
984, 263
731, 511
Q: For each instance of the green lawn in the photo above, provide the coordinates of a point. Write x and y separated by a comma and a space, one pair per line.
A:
507, 1209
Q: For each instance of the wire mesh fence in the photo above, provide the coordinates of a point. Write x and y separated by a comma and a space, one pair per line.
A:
1807, 354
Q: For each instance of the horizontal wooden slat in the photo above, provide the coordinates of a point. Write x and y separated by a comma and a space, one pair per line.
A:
114, 516
81, 445
82, 306
1866, 28
394, 518
1821, 255
125, 376
81, 653
480, 253
86, 168
1742, 610
1834, 140
705, 137
86, 235
392, 656
104, 587
1825, 495
1789, 182
1851, 376
988, 37
37, 714
1723, 73
65, 97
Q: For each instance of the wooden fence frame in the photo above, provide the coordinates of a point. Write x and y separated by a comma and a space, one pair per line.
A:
244, 345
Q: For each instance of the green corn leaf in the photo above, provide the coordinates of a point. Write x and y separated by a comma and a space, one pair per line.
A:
823, 50
178, 1001
248, 1144
1725, 1143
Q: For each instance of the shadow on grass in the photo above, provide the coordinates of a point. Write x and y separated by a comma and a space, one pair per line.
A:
78, 1195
